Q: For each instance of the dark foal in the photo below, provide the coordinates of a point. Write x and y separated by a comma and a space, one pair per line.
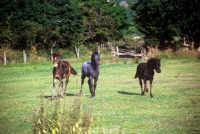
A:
145, 71
61, 70
91, 70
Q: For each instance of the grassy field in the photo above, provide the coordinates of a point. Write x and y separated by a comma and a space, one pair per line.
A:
118, 105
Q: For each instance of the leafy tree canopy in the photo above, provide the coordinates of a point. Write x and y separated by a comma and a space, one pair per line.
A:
47, 23
161, 20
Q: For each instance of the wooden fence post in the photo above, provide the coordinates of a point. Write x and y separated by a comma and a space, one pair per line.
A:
24, 56
99, 49
4, 58
117, 49
77, 52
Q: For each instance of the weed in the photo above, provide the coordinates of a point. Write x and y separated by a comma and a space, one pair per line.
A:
61, 120
136, 60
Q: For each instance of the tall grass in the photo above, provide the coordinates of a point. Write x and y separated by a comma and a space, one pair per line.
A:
118, 106
62, 119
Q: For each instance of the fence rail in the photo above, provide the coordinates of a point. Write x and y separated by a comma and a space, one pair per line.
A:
117, 51
129, 52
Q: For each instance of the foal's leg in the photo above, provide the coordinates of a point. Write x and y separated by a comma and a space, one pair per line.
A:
145, 86
151, 81
91, 86
60, 88
140, 81
53, 89
95, 84
66, 83
82, 82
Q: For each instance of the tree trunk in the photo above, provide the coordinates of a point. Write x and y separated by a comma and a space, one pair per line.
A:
77, 52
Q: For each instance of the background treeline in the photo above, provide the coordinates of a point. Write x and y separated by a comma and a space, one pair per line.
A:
44, 24
47, 23
168, 22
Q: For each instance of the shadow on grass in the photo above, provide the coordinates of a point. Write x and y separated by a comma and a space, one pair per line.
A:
128, 93
48, 97
68, 94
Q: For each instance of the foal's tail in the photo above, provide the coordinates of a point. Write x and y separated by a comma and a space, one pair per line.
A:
73, 71
136, 75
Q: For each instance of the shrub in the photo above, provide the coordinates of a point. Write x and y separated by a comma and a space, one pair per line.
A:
61, 120
136, 60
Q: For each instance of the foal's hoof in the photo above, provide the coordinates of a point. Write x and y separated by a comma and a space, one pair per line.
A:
142, 93
92, 96
65, 94
80, 94
60, 95
151, 95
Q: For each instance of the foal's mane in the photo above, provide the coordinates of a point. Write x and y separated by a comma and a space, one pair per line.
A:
93, 55
151, 62
55, 54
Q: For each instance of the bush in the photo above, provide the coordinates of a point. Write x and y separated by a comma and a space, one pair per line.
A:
61, 120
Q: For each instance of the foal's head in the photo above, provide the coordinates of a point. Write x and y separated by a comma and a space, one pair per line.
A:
56, 59
155, 63
95, 58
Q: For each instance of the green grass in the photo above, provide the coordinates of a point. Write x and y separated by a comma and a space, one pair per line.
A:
118, 105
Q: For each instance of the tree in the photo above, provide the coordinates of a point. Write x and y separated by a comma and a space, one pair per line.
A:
149, 20
189, 17
44, 23
103, 21
162, 20
65, 23
5, 26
